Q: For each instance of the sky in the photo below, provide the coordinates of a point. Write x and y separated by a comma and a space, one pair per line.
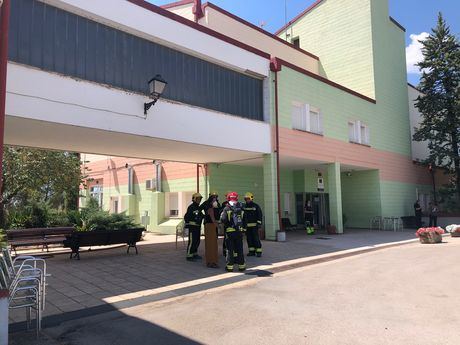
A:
417, 16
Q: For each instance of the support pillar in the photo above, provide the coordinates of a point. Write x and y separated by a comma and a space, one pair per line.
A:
335, 196
270, 197
157, 210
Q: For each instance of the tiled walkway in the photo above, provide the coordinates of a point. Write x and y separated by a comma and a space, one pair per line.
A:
110, 279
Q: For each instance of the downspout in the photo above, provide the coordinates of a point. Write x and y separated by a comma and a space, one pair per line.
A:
275, 67
197, 178
197, 10
4, 25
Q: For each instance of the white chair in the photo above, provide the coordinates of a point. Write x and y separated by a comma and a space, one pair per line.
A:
377, 223
181, 232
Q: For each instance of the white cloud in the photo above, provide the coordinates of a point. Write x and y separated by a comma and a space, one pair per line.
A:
414, 52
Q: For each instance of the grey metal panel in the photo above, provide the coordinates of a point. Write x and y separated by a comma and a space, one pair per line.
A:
55, 40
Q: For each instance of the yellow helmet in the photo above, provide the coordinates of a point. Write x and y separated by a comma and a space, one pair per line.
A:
213, 193
196, 196
249, 196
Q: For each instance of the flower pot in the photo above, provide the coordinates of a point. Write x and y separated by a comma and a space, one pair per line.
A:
430, 237
455, 234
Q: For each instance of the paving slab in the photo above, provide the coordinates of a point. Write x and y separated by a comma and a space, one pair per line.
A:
111, 275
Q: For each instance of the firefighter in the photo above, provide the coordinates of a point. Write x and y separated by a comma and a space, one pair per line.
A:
211, 208
233, 219
193, 219
253, 216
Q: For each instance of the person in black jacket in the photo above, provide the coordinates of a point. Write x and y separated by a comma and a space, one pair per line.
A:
253, 216
211, 208
193, 220
418, 214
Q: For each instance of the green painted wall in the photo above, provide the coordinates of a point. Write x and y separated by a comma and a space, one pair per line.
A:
361, 197
236, 178
362, 31
340, 33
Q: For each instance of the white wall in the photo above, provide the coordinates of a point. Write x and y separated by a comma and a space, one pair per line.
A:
126, 16
42, 96
419, 149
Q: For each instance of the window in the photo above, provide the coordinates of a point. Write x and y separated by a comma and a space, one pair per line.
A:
114, 204
358, 133
306, 118
296, 42
96, 193
287, 203
173, 204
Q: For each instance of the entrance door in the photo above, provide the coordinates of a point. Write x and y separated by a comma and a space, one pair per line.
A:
320, 205
299, 204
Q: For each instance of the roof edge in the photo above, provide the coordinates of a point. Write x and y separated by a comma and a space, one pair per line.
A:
170, 15
276, 63
297, 17
395, 22
176, 4
252, 26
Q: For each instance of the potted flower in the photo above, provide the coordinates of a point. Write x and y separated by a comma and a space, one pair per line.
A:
454, 230
430, 235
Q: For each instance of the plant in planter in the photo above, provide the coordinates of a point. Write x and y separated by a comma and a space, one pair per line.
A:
454, 230
430, 235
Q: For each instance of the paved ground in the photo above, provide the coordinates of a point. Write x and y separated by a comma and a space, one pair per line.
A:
402, 295
105, 280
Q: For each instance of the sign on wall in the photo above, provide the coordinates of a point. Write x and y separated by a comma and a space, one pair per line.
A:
320, 184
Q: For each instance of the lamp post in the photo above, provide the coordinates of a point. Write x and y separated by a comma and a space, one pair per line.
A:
157, 86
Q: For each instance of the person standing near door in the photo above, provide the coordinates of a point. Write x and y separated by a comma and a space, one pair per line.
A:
211, 208
193, 219
418, 214
308, 212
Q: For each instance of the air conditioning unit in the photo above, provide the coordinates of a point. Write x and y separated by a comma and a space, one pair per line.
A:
151, 184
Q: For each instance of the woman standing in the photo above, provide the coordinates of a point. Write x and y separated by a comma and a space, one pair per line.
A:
212, 214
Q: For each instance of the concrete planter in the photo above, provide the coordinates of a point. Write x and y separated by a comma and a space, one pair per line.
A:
281, 236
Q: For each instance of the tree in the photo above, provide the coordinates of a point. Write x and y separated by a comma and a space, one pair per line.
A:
439, 102
33, 175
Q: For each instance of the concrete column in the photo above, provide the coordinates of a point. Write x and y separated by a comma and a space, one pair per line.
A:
3, 317
270, 197
157, 208
335, 195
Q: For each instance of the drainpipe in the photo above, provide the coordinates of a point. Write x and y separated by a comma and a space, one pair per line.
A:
197, 178
275, 67
4, 24
197, 10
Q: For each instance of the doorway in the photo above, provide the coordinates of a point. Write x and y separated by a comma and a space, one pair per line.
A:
320, 205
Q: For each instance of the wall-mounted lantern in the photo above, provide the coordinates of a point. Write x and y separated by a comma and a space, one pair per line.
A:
156, 88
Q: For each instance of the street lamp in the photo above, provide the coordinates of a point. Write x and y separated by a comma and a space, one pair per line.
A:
156, 87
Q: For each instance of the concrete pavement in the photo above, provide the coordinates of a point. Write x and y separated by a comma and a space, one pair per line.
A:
403, 295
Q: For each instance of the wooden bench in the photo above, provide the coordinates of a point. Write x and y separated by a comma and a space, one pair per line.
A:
102, 238
37, 237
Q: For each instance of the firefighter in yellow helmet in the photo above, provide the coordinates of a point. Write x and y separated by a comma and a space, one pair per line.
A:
193, 220
253, 215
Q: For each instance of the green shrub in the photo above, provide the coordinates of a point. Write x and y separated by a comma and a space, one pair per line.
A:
103, 220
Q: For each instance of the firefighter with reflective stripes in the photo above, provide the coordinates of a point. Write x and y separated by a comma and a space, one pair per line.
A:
193, 220
233, 219
253, 216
